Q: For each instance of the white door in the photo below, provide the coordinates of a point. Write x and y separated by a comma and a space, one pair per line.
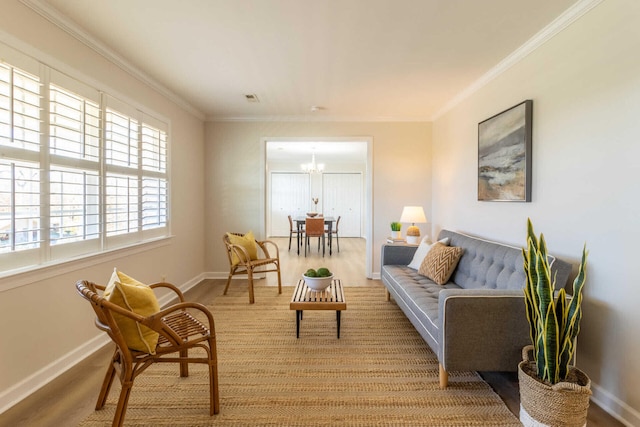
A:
342, 196
289, 196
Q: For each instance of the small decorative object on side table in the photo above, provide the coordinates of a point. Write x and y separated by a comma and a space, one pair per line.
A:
396, 240
395, 230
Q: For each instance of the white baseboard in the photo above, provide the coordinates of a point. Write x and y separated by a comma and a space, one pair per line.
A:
39, 379
225, 274
614, 406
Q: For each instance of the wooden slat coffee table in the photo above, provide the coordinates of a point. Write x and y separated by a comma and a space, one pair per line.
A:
305, 298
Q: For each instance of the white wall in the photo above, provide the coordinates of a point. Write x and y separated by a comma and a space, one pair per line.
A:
43, 322
585, 85
235, 182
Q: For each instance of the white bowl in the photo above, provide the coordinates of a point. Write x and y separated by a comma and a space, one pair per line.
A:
318, 283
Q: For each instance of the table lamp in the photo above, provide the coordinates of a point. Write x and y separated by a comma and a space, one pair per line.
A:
413, 214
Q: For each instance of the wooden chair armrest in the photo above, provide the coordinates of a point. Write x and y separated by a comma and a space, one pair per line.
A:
170, 286
241, 253
265, 244
123, 311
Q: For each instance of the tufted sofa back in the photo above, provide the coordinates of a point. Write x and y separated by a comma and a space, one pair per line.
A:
491, 265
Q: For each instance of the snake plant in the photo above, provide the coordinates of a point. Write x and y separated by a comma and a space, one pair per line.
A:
554, 322
396, 226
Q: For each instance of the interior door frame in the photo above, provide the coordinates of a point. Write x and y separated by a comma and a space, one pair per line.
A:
368, 184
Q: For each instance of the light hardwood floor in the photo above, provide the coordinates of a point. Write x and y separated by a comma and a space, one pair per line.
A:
349, 264
70, 398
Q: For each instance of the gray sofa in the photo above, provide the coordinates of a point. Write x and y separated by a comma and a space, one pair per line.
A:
476, 321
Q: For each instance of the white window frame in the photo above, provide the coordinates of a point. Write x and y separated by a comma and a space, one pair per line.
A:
151, 128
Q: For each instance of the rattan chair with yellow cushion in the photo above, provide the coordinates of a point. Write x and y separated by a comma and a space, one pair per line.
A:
248, 256
129, 313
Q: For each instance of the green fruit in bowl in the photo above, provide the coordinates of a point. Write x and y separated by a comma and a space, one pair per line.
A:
311, 273
324, 272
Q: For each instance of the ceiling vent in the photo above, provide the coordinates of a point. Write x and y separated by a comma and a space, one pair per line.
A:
252, 97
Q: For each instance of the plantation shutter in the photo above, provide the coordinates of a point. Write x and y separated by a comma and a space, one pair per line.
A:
154, 173
20, 213
74, 170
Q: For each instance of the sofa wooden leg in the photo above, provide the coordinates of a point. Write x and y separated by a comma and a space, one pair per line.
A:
388, 294
444, 377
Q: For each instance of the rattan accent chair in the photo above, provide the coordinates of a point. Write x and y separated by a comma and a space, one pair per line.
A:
179, 331
314, 227
268, 261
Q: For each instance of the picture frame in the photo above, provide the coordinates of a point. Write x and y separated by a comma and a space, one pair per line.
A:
504, 155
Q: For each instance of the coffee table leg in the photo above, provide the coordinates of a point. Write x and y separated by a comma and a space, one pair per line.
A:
298, 318
338, 312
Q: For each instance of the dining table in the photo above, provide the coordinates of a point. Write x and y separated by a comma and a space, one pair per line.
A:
300, 221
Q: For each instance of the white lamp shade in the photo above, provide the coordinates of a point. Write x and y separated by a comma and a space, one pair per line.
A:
413, 214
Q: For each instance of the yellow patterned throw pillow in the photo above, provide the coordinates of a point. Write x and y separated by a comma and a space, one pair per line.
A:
130, 294
440, 262
248, 241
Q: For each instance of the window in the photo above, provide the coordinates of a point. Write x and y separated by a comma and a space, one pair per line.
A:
80, 171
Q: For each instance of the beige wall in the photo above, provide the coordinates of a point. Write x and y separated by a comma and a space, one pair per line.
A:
43, 322
235, 175
585, 85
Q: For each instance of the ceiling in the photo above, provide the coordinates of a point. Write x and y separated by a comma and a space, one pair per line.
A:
354, 59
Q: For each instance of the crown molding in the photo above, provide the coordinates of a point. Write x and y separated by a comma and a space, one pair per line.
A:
563, 21
54, 16
313, 118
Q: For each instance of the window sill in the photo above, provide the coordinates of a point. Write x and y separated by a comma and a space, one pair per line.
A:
11, 279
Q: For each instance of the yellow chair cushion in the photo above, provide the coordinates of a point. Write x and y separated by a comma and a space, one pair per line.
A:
130, 294
248, 241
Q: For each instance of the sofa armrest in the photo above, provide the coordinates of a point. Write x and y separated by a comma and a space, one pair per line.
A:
482, 329
397, 254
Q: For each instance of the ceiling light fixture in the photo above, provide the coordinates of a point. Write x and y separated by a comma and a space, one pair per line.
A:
316, 108
313, 167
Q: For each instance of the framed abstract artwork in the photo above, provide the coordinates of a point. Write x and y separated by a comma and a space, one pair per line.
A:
504, 155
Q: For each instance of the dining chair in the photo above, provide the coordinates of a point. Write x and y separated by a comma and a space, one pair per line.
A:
179, 328
314, 227
294, 230
334, 232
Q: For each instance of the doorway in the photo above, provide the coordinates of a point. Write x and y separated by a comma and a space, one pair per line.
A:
344, 188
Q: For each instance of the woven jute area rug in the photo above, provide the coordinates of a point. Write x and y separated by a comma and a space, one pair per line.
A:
379, 373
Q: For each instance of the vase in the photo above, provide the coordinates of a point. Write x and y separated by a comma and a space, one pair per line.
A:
544, 405
396, 234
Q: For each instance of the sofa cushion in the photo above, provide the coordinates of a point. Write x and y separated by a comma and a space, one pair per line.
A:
422, 252
418, 297
440, 262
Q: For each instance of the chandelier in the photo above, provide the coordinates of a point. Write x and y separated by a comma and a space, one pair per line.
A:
313, 167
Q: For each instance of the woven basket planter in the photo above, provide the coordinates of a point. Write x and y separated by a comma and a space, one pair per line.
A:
564, 404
